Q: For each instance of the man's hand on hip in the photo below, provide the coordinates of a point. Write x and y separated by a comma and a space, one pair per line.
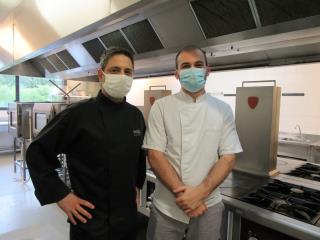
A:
73, 207
138, 196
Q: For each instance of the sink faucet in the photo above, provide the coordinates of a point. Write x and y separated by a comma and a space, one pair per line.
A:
299, 128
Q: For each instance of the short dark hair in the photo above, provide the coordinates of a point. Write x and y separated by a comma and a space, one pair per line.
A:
110, 52
191, 49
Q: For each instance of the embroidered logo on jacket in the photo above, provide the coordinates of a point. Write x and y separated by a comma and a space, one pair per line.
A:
137, 133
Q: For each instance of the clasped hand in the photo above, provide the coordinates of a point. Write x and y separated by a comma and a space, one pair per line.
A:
190, 200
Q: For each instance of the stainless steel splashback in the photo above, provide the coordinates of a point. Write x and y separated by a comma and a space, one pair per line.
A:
257, 121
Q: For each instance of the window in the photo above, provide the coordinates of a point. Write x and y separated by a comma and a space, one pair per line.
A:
3, 117
7, 90
35, 89
31, 89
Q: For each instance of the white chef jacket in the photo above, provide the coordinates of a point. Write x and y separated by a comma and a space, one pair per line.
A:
192, 135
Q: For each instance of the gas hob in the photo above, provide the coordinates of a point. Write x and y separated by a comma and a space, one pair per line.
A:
306, 171
288, 199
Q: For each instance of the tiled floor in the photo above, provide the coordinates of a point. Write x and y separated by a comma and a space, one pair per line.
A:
22, 217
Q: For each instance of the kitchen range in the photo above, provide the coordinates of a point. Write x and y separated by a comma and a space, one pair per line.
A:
282, 207
288, 199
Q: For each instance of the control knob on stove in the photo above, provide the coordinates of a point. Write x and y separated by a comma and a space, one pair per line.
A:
252, 236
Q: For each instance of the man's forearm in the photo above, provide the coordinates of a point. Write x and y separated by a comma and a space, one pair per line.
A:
164, 170
193, 197
218, 173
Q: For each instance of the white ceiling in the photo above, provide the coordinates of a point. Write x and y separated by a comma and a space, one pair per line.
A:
6, 6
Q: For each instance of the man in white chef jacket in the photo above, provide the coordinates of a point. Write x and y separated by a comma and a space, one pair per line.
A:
192, 141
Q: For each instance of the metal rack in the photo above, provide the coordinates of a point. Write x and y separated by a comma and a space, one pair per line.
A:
63, 171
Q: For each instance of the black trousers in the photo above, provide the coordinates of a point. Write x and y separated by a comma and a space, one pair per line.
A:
117, 227
77, 233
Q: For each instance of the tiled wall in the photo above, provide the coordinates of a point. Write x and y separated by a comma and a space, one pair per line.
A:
303, 78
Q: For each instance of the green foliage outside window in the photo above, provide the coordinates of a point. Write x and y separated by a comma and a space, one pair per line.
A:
34, 89
7, 89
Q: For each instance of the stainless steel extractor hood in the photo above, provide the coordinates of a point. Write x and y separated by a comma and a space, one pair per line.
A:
235, 34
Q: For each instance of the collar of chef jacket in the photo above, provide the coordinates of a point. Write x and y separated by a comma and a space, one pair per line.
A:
107, 100
187, 98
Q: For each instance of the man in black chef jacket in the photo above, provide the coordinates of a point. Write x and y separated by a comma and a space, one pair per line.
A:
102, 139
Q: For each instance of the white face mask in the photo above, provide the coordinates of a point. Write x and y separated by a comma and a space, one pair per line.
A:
117, 86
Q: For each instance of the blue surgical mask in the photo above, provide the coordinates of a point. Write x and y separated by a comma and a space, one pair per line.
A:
192, 79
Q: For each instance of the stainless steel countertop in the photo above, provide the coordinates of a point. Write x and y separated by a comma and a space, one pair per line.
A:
307, 139
239, 184
297, 143
311, 143
316, 144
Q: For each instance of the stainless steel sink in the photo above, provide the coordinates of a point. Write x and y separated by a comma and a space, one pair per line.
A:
295, 139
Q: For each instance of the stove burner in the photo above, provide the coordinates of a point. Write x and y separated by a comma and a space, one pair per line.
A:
315, 175
278, 203
288, 199
307, 171
296, 191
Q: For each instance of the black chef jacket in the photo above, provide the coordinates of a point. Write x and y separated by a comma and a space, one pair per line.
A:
102, 140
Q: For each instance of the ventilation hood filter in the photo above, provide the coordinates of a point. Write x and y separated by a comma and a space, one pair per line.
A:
47, 65
275, 11
67, 59
116, 39
221, 17
60, 66
94, 48
142, 37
